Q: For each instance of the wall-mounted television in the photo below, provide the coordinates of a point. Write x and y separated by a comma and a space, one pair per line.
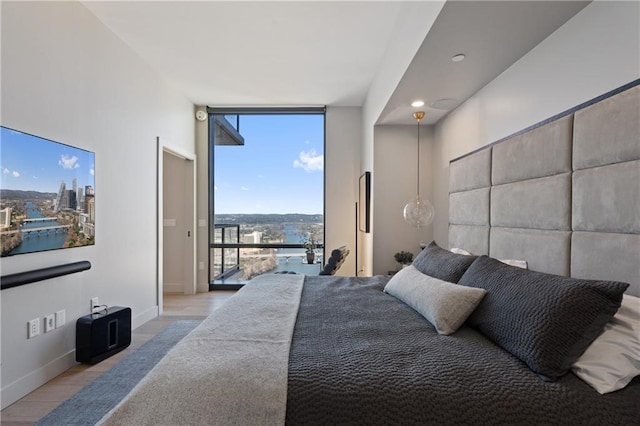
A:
47, 194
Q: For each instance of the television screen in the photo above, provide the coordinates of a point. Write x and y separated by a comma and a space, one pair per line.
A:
47, 194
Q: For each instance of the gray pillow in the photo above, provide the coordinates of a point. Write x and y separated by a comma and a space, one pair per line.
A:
546, 320
442, 264
445, 305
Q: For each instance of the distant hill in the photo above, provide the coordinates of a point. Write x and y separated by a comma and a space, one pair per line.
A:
269, 218
14, 194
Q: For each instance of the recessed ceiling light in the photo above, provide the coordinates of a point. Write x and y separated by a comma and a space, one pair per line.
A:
417, 104
457, 58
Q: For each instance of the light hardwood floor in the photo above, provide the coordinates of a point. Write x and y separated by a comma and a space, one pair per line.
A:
41, 401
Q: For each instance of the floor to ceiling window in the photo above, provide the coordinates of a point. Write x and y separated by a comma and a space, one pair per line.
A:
267, 193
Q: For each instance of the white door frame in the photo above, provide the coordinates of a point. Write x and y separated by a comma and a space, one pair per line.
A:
163, 147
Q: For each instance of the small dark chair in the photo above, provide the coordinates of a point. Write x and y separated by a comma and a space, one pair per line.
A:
335, 261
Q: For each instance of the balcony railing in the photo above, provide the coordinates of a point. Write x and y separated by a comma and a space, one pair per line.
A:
225, 260
235, 262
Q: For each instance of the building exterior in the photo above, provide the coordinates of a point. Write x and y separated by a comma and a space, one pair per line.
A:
5, 218
253, 238
60, 199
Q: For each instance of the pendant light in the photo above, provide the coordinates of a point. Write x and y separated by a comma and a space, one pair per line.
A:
418, 212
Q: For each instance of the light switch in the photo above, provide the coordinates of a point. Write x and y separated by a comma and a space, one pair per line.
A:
169, 222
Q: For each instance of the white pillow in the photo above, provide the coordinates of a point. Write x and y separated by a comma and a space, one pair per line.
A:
513, 262
613, 359
457, 250
443, 304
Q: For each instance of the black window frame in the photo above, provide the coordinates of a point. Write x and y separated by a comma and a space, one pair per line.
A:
238, 111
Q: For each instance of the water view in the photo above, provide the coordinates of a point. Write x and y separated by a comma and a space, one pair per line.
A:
265, 167
263, 233
40, 232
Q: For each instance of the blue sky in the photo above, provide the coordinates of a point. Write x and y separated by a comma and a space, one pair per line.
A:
280, 168
30, 163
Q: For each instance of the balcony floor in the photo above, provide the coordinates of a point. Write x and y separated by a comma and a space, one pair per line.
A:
292, 264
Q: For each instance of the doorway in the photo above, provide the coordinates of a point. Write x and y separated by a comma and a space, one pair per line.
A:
176, 222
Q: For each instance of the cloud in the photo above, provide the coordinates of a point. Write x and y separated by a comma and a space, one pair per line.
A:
13, 173
92, 172
310, 161
244, 188
69, 162
215, 187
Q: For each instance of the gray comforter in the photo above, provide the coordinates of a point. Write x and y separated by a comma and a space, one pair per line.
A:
360, 356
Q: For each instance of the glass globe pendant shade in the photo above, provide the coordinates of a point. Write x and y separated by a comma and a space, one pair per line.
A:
418, 212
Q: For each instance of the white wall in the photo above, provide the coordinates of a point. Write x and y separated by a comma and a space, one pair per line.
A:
395, 165
410, 29
342, 161
596, 51
202, 208
66, 77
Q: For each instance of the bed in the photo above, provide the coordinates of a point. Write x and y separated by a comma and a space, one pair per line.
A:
455, 338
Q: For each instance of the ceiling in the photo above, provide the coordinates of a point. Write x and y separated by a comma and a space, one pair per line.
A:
491, 34
281, 53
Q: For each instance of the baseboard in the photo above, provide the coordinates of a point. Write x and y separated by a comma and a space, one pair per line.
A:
144, 317
28, 383
172, 287
33, 380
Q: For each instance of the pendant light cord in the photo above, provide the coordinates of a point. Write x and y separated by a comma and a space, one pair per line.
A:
418, 115
418, 185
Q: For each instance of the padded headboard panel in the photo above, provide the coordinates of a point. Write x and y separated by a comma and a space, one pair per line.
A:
469, 189
563, 195
605, 241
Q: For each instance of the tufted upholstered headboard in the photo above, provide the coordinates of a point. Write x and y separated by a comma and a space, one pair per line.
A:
564, 195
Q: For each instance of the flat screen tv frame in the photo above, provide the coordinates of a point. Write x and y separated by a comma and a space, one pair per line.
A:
47, 194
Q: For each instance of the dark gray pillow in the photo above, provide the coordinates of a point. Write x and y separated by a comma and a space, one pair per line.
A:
442, 264
545, 320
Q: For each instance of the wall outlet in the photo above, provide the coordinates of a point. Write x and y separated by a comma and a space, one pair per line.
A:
33, 328
49, 323
61, 318
94, 302
201, 266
